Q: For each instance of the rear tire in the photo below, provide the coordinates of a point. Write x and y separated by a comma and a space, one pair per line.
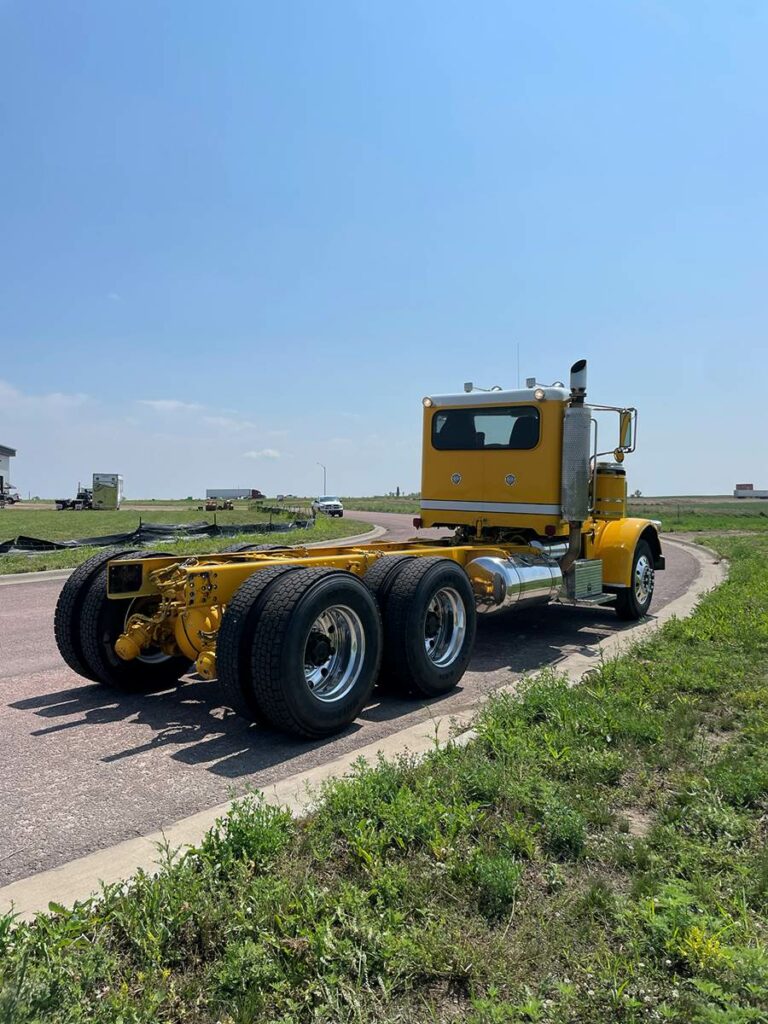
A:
316, 651
235, 637
66, 619
382, 574
430, 622
633, 602
102, 620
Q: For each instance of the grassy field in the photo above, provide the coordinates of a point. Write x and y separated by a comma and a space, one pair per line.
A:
693, 515
51, 525
687, 514
409, 505
677, 515
596, 855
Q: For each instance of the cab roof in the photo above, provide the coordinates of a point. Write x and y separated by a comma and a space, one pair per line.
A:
475, 398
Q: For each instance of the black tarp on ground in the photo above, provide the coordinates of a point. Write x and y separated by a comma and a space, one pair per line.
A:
149, 533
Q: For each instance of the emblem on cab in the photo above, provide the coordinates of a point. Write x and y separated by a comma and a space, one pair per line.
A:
510, 479
456, 478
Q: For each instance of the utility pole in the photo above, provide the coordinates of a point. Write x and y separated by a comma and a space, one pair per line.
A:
325, 491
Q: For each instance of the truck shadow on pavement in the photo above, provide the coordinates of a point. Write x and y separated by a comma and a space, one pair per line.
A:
191, 723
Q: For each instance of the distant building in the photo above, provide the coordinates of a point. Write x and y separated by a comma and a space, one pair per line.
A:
748, 491
6, 454
231, 493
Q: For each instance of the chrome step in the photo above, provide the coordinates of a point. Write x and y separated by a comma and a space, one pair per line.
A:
593, 599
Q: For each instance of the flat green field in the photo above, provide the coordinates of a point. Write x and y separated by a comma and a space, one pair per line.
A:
677, 515
52, 525
686, 515
406, 504
596, 855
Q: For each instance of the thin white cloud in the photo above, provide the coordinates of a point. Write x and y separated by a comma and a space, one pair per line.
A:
168, 405
114, 296
263, 453
13, 400
229, 423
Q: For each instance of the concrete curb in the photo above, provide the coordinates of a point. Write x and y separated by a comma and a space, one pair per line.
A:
80, 878
45, 575
343, 542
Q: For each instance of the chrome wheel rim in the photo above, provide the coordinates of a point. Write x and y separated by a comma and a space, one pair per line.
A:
152, 655
445, 626
334, 653
644, 577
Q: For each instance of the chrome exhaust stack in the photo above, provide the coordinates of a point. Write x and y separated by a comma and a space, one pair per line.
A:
574, 499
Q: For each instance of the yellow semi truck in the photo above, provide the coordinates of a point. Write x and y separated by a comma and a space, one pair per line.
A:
298, 638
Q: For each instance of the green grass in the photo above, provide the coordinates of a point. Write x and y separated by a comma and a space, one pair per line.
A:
686, 515
408, 504
51, 525
683, 515
597, 855
63, 525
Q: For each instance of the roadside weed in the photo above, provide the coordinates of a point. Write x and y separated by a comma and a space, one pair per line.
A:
596, 855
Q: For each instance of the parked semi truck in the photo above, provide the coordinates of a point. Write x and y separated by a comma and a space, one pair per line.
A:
298, 637
105, 494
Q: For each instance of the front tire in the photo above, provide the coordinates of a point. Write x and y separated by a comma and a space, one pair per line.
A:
316, 651
633, 602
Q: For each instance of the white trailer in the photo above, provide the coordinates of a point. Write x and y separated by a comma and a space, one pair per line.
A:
6, 454
107, 490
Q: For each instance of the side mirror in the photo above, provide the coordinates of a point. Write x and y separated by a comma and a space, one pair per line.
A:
626, 420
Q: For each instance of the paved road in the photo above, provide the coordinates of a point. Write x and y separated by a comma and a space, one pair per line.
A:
82, 767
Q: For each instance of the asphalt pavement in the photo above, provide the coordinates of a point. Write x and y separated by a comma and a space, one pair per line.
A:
83, 767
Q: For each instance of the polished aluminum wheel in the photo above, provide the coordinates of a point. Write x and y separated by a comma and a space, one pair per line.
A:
334, 653
644, 580
445, 626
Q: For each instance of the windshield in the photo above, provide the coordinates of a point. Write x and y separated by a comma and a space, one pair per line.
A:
328, 498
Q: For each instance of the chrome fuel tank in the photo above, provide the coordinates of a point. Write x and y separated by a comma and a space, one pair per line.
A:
514, 581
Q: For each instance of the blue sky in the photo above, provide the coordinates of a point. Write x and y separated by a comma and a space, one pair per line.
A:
244, 237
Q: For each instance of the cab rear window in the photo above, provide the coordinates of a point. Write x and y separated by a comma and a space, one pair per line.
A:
514, 428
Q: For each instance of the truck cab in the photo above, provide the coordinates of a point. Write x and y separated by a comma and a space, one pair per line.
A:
491, 461
523, 466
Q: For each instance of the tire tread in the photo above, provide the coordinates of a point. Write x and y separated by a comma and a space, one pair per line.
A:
268, 644
400, 672
66, 618
232, 654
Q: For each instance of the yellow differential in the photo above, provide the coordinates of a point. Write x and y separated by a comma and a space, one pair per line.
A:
195, 628
137, 636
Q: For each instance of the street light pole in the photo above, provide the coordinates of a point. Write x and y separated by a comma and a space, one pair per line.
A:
325, 491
